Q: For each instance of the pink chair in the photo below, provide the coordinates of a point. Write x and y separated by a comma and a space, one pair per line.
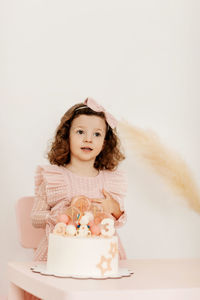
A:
29, 237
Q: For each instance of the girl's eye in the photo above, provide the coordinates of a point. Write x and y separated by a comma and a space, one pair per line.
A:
97, 134
80, 131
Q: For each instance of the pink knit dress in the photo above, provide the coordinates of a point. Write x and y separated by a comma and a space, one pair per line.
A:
55, 187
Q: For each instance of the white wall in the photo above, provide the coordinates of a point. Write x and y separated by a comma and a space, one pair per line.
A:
140, 59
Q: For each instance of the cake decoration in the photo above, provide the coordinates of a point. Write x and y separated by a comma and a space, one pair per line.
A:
83, 231
95, 208
72, 212
85, 219
81, 202
100, 216
90, 215
60, 229
70, 230
108, 228
113, 249
63, 219
95, 229
104, 265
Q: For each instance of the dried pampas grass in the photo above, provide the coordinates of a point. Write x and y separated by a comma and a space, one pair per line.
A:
165, 162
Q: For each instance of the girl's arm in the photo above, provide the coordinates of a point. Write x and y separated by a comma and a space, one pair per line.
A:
50, 196
41, 209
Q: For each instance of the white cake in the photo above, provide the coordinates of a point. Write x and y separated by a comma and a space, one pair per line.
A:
83, 242
93, 256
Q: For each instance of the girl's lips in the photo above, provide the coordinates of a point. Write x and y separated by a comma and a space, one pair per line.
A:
87, 149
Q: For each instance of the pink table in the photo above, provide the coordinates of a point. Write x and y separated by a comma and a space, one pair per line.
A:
152, 279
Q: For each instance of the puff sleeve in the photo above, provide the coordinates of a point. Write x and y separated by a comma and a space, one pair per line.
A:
116, 185
50, 195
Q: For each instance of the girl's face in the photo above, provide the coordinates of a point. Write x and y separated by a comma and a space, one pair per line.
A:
86, 137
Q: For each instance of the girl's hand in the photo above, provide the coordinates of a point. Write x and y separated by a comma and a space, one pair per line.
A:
109, 204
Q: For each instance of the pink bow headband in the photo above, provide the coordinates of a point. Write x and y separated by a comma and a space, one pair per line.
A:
91, 103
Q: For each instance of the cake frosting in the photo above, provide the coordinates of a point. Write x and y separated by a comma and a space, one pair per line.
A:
80, 256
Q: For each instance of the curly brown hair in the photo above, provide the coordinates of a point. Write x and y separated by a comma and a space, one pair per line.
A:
59, 154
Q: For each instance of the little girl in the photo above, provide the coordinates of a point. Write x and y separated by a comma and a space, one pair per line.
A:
83, 161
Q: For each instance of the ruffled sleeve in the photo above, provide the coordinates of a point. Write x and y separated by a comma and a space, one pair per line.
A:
50, 193
116, 185
55, 184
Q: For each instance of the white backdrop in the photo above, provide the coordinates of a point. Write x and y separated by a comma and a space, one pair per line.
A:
140, 59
